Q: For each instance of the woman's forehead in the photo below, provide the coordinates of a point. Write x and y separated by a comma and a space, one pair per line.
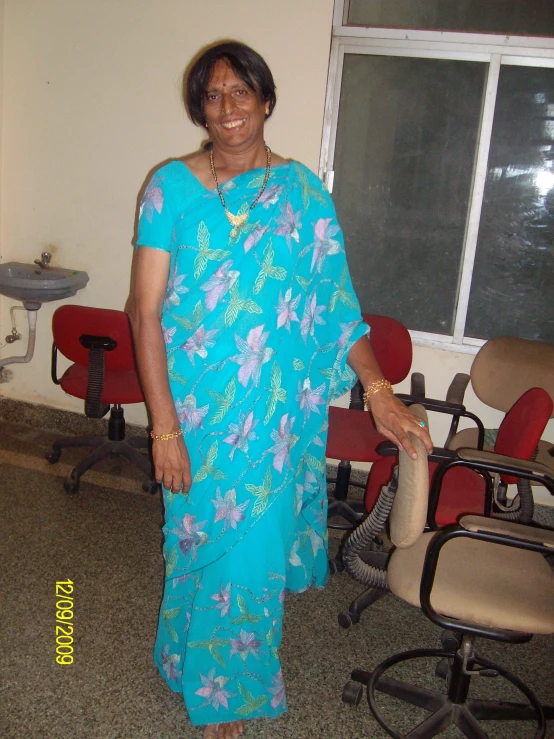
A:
223, 75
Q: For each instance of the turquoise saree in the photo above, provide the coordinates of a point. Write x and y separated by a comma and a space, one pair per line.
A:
258, 323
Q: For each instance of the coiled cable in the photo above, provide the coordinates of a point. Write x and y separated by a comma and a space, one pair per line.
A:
364, 534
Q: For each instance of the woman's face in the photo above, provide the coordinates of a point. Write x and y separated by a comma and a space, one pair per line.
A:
235, 113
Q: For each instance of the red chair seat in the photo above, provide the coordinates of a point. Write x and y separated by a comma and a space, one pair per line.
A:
462, 491
120, 386
352, 435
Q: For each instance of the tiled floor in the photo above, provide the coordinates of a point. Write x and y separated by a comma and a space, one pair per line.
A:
107, 540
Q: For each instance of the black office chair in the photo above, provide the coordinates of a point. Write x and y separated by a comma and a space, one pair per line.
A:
481, 577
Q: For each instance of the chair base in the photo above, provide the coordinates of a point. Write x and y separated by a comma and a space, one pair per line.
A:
452, 707
105, 447
359, 604
339, 506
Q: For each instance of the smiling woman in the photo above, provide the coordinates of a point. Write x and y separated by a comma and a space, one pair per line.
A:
246, 327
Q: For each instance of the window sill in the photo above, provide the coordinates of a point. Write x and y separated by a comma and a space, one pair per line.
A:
447, 343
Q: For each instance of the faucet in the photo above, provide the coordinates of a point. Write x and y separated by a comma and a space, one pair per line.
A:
44, 261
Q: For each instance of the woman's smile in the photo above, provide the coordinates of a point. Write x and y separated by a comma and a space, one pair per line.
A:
233, 124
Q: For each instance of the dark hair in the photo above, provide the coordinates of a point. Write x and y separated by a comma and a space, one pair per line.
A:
245, 63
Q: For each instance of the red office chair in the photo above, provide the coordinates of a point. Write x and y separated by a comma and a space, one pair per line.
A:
461, 490
458, 489
104, 374
352, 435
503, 369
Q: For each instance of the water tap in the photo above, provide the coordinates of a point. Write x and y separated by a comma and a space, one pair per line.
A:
44, 261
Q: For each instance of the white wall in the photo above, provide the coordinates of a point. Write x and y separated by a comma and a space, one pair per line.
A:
90, 102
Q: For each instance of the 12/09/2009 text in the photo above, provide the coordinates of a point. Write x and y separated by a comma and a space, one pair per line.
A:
64, 622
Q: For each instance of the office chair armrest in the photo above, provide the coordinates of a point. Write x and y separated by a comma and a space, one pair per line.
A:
431, 404
387, 449
455, 394
508, 528
439, 454
54, 365
486, 463
430, 567
457, 389
492, 462
456, 410
417, 385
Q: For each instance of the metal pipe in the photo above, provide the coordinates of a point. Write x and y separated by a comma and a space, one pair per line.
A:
32, 318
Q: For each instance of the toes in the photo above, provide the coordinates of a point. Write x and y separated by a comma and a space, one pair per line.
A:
230, 730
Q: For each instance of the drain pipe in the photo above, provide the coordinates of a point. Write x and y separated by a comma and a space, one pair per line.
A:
32, 318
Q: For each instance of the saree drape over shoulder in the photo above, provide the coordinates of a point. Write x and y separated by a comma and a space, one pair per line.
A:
258, 323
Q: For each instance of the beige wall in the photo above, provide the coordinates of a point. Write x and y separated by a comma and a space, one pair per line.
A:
90, 102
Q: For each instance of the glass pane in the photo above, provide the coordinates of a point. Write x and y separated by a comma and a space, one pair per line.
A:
513, 283
521, 17
404, 157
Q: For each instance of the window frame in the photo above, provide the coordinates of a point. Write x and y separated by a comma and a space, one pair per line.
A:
491, 49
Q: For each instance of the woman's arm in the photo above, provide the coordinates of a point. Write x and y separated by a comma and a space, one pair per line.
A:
392, 418
171, 459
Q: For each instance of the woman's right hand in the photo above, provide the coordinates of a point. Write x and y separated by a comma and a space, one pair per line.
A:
172, 464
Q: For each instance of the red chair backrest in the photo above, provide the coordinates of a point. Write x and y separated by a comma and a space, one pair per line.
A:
523, 426
392, 345
69, 322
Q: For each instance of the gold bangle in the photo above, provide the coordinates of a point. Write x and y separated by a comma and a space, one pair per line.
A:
374, 388
166, 437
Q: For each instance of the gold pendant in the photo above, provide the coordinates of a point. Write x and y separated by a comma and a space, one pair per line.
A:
235, 221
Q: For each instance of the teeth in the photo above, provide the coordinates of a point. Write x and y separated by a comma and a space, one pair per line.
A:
233, 124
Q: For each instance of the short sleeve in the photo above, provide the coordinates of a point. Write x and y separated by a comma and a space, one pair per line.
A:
156, 220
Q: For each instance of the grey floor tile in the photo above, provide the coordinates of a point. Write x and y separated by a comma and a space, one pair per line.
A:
109, 543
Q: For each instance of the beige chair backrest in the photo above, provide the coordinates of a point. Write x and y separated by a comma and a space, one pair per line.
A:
506, 367
409, 510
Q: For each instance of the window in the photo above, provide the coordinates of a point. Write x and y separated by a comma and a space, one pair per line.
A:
522, 17
439, 150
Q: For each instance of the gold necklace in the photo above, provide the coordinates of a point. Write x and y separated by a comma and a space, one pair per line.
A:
238, 220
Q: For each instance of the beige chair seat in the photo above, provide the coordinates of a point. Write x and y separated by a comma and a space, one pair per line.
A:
468, 438
486, 584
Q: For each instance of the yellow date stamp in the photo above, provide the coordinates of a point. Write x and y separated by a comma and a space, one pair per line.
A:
64, 622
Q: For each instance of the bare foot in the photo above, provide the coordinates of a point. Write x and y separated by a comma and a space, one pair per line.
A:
224, 731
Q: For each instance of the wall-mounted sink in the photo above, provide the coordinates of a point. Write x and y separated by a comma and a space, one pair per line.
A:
35, 285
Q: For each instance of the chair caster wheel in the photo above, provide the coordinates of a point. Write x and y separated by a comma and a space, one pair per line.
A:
53, 456
150, 487
352, 693
346, 619
71, 486
443, 668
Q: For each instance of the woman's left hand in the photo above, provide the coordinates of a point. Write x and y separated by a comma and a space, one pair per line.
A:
395, 421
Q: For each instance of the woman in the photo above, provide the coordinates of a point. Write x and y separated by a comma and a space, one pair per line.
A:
246, 327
